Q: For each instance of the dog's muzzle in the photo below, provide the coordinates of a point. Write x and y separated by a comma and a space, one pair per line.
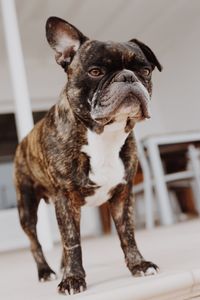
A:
124, 93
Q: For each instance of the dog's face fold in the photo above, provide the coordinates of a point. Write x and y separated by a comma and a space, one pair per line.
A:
107, 81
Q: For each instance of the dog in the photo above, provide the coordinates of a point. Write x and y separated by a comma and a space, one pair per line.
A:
83, 151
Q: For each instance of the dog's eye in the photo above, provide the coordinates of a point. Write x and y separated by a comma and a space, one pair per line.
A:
145, 72
96, 72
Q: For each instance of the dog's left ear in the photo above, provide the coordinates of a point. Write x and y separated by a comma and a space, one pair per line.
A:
150, 56
64, 38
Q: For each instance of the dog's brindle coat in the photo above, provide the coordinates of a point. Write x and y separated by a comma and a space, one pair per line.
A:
108, 87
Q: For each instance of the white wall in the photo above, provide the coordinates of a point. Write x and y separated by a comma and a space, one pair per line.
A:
45, 81
176, 95
170, 27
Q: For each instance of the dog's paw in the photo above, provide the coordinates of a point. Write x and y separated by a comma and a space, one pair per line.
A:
72, 285
46, 274
145, 268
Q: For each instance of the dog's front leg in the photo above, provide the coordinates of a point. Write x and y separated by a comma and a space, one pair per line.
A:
122, 211
68, 217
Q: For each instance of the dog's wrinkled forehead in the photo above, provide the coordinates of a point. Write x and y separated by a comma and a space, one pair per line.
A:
109, 54
69, 43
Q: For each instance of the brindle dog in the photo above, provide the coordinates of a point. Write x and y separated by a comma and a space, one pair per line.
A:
83, 151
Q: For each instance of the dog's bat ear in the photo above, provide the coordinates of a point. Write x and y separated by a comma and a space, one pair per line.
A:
148, 53
64, 38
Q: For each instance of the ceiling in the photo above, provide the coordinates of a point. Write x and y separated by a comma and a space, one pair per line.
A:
159, 23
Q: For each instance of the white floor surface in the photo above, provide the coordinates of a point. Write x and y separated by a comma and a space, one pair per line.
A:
176, 249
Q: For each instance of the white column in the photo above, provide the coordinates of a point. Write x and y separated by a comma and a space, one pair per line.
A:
23, 113
24, 119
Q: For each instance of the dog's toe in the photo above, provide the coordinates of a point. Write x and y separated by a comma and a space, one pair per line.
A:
151, 271
46, 274
64, 292
145, 268
72, 285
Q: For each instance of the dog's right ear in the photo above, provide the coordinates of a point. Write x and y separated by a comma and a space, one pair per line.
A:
64, 38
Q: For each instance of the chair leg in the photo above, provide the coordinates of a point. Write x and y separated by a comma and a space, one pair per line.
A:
194, 158
148, 199
105, 218
148, 188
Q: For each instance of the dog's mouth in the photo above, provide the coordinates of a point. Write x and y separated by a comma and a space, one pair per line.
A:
121, 100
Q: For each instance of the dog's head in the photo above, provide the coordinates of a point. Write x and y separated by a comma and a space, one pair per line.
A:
107, 81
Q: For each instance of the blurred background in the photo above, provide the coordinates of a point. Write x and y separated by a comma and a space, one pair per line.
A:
171, 28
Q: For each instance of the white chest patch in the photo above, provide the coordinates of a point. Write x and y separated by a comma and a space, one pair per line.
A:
107, 169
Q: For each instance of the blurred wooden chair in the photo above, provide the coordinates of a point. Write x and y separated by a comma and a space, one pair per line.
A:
189, 176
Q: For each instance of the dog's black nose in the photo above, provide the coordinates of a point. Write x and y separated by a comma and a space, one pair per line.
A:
125, 76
